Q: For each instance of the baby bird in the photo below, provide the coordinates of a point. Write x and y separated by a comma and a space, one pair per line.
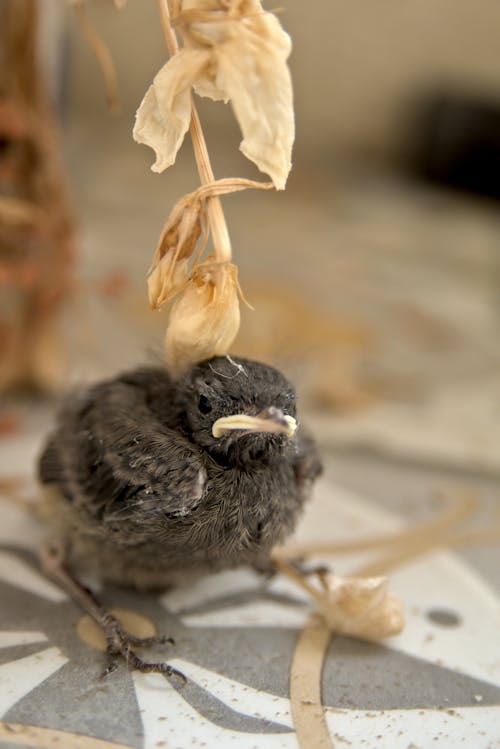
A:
159, 478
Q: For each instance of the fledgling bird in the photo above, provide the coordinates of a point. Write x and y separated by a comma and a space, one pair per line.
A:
159, 478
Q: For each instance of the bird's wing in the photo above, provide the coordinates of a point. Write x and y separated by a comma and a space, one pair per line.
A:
111, 456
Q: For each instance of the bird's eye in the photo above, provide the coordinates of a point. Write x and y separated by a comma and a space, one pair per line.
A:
204, 405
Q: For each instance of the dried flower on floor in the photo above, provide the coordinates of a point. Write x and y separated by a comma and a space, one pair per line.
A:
360, 607
233, 51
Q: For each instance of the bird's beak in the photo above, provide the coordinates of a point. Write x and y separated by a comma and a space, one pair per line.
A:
272, 421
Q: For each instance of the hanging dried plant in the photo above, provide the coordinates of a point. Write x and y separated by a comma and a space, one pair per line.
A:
219, 36
177, 243
180, 236
205, 319
233, 51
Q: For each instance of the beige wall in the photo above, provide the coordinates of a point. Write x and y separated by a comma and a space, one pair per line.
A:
376, 55
356, 63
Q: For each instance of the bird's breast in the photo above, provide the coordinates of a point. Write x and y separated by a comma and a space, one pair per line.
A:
250, 508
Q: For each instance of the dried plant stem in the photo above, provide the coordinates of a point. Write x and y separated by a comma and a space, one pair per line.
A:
103, 56
312, 646
216, 219
297, 577
308, 659
439, 527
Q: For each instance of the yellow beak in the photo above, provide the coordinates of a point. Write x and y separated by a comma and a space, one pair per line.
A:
272, 421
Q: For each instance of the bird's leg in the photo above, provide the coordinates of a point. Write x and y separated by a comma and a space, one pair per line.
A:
306, 568
268, 567
53, 558
265, 566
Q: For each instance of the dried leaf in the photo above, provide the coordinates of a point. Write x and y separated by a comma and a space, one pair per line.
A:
233, 52
180, 235
205, 318
177, 243
249, 69
163, 117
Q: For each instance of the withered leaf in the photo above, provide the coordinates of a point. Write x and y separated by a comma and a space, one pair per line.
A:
181, 234
233, 52
163, 117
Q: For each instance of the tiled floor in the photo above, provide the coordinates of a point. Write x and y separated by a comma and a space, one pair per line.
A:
415, 274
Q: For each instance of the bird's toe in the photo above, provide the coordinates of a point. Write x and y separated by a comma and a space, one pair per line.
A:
121, 644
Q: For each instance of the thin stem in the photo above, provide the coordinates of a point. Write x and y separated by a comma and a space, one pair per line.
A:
298, 578
216, 219
103, 57
439, 526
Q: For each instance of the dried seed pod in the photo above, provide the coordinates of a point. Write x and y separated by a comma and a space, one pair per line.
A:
179, 238
205, 318
177, 243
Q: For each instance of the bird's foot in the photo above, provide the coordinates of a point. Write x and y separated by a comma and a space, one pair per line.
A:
122, 644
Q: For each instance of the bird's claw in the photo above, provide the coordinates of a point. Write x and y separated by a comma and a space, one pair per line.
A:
121, 644
149, 642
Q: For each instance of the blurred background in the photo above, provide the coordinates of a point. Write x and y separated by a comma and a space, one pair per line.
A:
375, 277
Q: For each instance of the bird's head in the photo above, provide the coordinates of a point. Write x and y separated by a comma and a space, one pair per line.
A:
238, 409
